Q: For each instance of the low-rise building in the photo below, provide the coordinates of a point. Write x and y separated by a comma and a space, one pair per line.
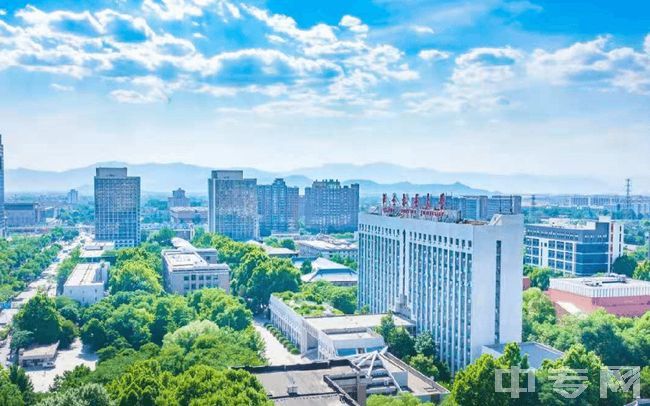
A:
97, 251
348, 381
616, 294
187, 268
327, 247
321, 329
276, 252
38, 355
87, 283
325, 270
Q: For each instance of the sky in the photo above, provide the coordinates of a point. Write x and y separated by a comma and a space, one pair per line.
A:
497, 86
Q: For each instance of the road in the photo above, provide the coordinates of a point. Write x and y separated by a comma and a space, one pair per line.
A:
66, 359
275, 352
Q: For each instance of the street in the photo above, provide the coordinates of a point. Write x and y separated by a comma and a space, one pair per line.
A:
275, 352
66, 360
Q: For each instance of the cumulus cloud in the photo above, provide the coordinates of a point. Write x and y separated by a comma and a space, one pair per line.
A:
353, 24
181, 9
61, 88
594, 63
433, 54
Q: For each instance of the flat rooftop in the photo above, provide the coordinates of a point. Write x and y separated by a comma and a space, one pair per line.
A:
329, 245
96, 249
308, 379
602, 286
86, 274
41, 351
354, 321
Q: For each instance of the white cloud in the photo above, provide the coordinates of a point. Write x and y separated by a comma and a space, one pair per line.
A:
3, 12
135, 97
422, 30
593, 64
647, 44
61, 88
353, 24
433, 54
180, 9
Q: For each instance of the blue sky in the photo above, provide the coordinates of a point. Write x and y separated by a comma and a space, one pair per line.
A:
543, 87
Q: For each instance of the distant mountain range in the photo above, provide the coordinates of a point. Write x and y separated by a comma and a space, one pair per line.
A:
374, 179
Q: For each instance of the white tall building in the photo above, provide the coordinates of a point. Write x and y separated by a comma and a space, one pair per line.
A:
459, 280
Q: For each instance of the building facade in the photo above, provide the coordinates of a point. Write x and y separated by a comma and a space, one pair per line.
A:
461, 281
277, 206
331, 208
73, 197
188, 215
87, 283
187, 269
232, 205
178, 199
576, 249
616, 294
117, 207
483, 207
22, 215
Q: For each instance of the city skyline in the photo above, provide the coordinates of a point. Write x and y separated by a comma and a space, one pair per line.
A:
492, 86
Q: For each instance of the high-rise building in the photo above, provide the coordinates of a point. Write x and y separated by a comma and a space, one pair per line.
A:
277, 205
117, 207
574, 248
232, 205
3, 228
331, 208
178, 199
73, 196
457, 279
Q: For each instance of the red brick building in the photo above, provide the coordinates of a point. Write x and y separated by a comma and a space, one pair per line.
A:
615, 294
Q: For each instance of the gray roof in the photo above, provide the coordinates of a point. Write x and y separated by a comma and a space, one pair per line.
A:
537, 352
330, 271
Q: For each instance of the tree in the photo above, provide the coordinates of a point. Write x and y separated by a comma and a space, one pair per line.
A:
10, 395
424, 364
305, 267
40, 317
401, 343
541, 277
135, 275
202, 385
94, 334
223, 309
577, 358
69, 332
344, 299
19, 378
645, 382
642, 271
132, 324
538, 311
140, 385
624, 265
404, 399
474, 386
425, 344
288, 243
90, 394
163, 237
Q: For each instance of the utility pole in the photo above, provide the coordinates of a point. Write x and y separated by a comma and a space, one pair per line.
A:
628, 196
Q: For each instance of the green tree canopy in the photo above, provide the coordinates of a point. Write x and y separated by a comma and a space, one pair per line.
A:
624, 265
134, 275
40, 317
